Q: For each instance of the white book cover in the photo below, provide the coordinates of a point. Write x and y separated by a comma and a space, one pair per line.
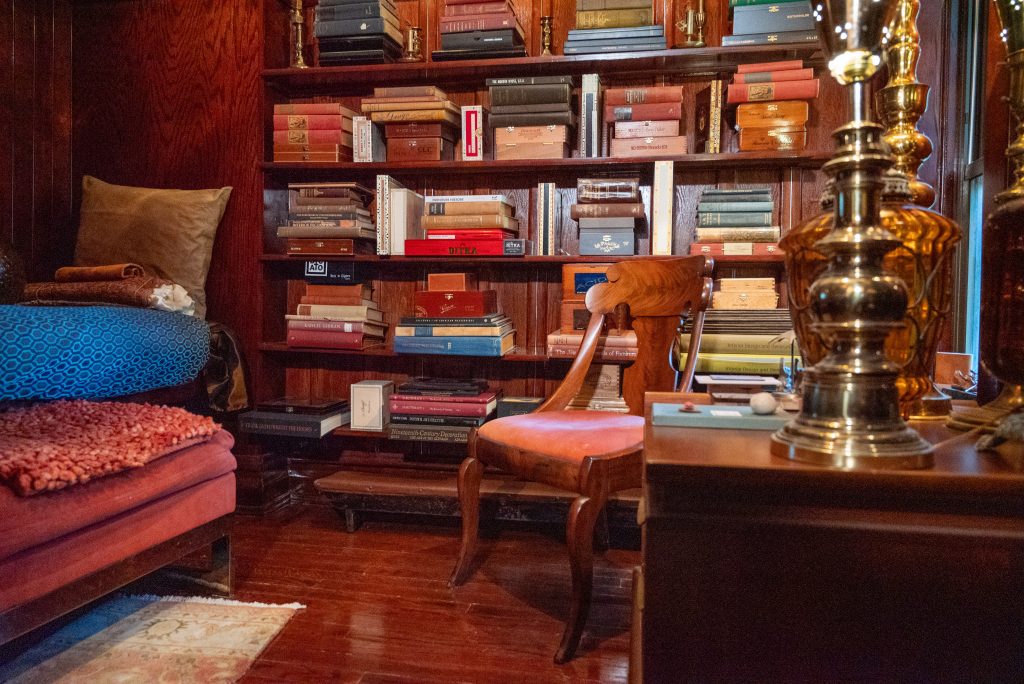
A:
468, 198
385, 184
662, 200
590, 116
406, 218
473, 130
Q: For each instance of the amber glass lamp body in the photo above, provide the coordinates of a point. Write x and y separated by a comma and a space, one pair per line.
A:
923, 261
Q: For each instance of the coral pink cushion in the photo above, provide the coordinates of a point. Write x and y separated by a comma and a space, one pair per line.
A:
567, 435
50, 446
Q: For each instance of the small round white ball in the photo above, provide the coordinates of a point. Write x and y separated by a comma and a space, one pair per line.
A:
763, 403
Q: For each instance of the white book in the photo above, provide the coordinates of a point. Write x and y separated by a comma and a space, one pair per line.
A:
474, 130
468, 198
547, 217
590, 116
385, 184
367, 141
662, 198
406, 218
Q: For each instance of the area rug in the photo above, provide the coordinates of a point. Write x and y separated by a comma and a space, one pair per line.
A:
161, 639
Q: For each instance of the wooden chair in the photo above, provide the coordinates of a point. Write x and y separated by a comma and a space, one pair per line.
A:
593, 453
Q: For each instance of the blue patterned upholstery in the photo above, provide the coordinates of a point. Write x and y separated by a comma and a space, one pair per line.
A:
93, 352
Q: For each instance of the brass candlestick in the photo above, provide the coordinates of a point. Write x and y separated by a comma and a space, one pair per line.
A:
851, 416
1002, 277
297, 21
693, 26
413, 45
545, 34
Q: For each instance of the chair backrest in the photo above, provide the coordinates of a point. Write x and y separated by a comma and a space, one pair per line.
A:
653, 295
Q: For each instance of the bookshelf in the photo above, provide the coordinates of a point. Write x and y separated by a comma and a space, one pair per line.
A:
529, 288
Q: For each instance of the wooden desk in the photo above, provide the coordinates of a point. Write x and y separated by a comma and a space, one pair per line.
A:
764, 570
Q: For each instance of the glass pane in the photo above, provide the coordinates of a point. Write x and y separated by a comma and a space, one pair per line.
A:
973, 304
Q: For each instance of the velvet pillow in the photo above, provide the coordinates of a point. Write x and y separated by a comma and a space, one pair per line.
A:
168, 232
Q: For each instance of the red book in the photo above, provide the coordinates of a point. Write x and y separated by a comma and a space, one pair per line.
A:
481, 398
478, 22
309, 122
451, 10
762, 92
659, 111
465, 304
442, 408
327, 339
713, 249
468, 234
773, 76
361, 327
310, 108
643, 95
307, 137
770, 66
467, 248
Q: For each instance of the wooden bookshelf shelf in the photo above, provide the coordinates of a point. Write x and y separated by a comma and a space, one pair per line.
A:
763, 260
753, 161
690, 63
518, 354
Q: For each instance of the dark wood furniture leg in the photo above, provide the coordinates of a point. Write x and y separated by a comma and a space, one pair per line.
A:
579, 535
470, 474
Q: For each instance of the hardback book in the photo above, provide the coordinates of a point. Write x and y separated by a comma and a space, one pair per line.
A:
336, 47
610, 4
340, 300
578, 278
736, 195
456, 303
533, 119
751, 299
607, 223
347, 189
739, 343
419, 104
470, 221
778, 16
648, 147
662, 214
659, 111
474, 129
530, 94
518, 406
482, 40
341, 312
480, 22
405, 219
368, 143
780, 38
772, 139
645, 129
774, 76
412, 419
311, 137
343, 200
546, 223
423, 384
348, 219
613, 45
475, 7
530, 150
330, 339
608, 190
451, 282
368, 402
420, 149
331, 108
329, 147
469, 234
625, 33
365, 327
385, 185
490, 52
782, 114
417, 129
445, 408
353, 11
643, 95
448, 434
589, 142
756, 67
341, 154
762, 92
326, 247
534, 108
329, 272
454, 330
313, 122
711, 204
527, 80
734, 218
354, 57
597, 19
607, 242
450, 199
359, 230
743, 284
468, 207
421, 115
386, 25
283, 424
470, 394
410, 91
707, 124
303, 405
740, 363
636, 211
510, 135
603, 353
737, 234
456, 346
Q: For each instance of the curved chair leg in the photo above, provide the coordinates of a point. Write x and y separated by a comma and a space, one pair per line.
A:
469, 503
580, 537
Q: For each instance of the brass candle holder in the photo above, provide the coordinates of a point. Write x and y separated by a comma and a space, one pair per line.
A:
693, 27
545, 34
298, 22
413, 45
850, 416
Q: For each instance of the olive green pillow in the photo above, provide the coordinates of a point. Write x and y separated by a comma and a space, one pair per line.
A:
168, 232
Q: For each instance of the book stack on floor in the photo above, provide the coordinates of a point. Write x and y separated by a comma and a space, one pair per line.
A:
644, 121
468, 225
614, 26
608, 211
295, 417
565, 342
420, 122
735, 221
531, 116
766, 22
471, 29
336, 317
440, 409
746, 341
328, 219
601, 390
773, 108
357, 32
312, 132
454, 318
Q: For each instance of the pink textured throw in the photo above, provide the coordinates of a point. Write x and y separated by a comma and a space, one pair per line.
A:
50, 446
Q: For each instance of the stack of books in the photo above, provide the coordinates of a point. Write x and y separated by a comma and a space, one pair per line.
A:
614, 26
608, 210
773, 110
601, 390
745, 293
357, 32
471, 29
730, 388
745, 341
328, 219
336, 317
565, 342
735, 221
531, 116
312, 132
296, 417
440, 409
452, 318
645, 121
420, 122
766, 22
468, 225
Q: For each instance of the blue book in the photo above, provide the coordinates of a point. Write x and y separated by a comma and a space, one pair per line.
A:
719, 416
455, 346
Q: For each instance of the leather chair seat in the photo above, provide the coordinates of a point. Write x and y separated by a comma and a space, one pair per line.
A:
570, 436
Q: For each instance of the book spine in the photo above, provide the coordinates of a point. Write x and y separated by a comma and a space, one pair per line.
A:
333, 311
423, 115
459, 303
474, 8
471, 221
648, 147
449, 199
527, 80
331, 299
607, 190
307, 108
714, 145
496, 39
353, 27
410, 91
761, 92
734, 205
530, 94
385, 184
774, 76
787, 114
324, 338
754, 67
546, 217
535, 108
484, 22
740, 219
448, 434
662, 197
590, 110
329, 232
602, 353
781, 16
772, 139
438, 408
463, 208
578, 211
419, 149
314, 246
350, 11
614, 18
645, 129
369, 107
750, 366
421, 419
764, 345
473, 127
328, 326
780, 38
467, 248
662, 111
468, 234
611, 4
450, 320
307, 122
535, 119
647, 95
269, 426
451, 331
765, 234
609, 341
455, 346
309, 137
713, 249
446, 398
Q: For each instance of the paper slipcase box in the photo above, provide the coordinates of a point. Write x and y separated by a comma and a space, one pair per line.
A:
369, 404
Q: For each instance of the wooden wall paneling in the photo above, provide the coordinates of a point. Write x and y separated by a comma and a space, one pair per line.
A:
563, 19
23, 129
7, 108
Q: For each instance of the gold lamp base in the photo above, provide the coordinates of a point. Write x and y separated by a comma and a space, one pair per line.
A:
987, 417
897, 449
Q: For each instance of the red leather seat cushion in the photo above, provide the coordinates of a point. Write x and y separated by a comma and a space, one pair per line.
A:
567, 435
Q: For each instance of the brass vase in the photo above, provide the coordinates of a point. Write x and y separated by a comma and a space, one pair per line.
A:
850, 416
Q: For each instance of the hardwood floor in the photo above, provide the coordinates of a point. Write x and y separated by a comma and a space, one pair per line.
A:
378, 608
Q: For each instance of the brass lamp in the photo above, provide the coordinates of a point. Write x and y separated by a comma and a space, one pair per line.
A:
851, 416
1002, 281
927, 239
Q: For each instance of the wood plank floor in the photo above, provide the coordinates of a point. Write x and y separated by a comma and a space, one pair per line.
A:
378, 608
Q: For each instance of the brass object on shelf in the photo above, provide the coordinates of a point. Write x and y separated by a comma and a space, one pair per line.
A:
297, 21
850, 416
413, 45
1002, 257
545, 34
693, 26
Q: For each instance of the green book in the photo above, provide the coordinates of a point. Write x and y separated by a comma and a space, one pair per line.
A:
747, 3
719, 416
